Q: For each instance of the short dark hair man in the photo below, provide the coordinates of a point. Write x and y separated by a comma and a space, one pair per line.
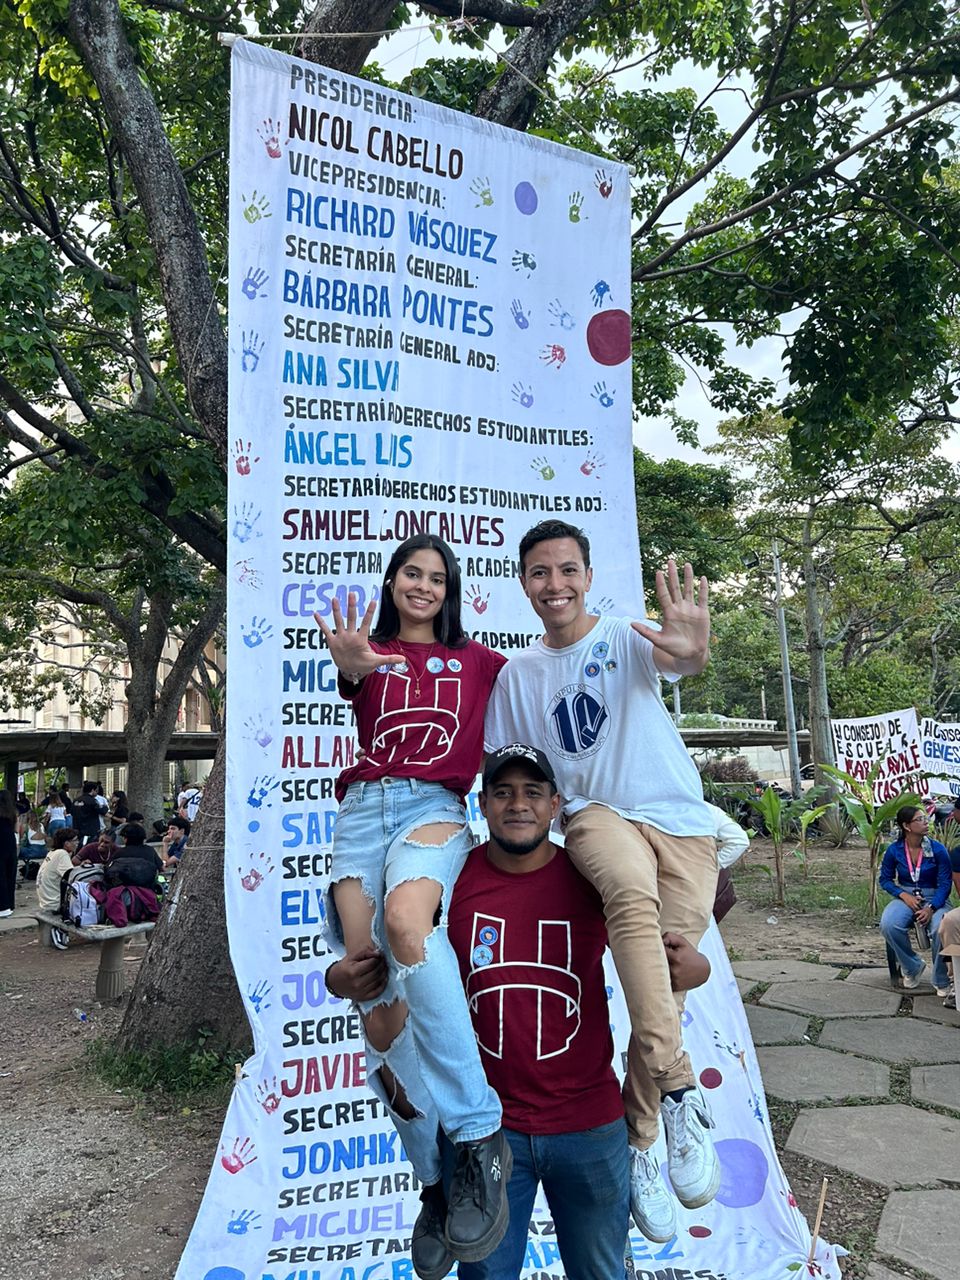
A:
175, 841
636, 826
529, 936
85, 813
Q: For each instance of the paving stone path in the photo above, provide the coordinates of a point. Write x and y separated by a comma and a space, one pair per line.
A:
857, 1036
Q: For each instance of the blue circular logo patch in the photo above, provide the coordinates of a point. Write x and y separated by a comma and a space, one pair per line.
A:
592, 669
454, 664
600, 649
482, 956
610, 666
488, 934
434, 665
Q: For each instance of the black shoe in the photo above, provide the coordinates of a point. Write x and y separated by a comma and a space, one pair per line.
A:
478, 1215
428, 1247
60, 938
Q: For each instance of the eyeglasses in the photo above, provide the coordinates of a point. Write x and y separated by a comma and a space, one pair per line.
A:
921, 817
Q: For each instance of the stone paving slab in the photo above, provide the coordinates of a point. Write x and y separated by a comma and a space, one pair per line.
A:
894, 1145
746, 985
831, 999
931, 1009
919, 1228
804, 1073
784, 971
893, 1039
774, 1026
877, 1271
879, 978
939, 1085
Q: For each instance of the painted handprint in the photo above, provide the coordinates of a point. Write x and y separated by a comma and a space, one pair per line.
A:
269, 135
255, 207
480, 187
576, 204
248, 575
543, 468
253, 282
592, 463
241, 1223
261, 789
259, 996
602, 395
245, 519
561, 316
554, 354
476, 600
252, 348
256, 873
521, 318
604, 183
600, 292
239, 1156
260, 630
523, 262
603, 605
241, 457
258, 731
523, 395
267, 1095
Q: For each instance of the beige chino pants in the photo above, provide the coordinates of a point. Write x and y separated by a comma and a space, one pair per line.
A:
651, 883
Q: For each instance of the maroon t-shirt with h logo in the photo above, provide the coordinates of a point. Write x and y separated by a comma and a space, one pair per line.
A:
530, 947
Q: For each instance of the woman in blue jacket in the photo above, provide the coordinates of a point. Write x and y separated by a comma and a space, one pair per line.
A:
916, 873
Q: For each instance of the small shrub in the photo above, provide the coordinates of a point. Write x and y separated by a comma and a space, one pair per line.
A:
836, 827
175, 1070
729, 769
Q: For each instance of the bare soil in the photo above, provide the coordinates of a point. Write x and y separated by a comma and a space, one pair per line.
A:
99, 1185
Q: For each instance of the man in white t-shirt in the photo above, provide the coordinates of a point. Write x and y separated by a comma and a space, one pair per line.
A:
635, 822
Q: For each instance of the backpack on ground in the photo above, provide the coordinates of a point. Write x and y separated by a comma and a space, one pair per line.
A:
77, 904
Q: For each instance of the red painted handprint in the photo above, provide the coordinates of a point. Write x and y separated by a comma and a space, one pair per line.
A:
239, 1155
241, 456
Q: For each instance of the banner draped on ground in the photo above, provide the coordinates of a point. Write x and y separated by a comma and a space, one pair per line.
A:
917, 754
430, 331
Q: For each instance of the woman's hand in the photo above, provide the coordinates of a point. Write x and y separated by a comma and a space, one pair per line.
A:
349, 644
911, 900
925, 914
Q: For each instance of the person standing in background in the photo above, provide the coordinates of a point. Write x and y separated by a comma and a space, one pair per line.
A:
8, 853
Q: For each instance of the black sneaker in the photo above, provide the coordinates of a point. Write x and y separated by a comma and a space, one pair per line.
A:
479, 1214
60, 938
428, 1247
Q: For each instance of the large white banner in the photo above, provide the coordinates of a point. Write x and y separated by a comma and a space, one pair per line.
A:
893, 740
430, 331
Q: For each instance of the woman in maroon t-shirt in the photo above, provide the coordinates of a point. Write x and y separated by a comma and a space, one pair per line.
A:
419, 688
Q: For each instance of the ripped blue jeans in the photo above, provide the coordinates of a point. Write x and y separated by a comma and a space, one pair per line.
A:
435, 1057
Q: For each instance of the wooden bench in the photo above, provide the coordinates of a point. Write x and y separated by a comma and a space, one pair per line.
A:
110, 976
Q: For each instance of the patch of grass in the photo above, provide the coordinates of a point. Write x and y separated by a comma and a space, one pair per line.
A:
829, 888
811, 957
733, 955
176, 1071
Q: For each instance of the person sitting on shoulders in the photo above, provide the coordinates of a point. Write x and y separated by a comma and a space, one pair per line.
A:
916, 873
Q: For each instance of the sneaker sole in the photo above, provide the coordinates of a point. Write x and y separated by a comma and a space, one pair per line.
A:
483, 1247
705, 1197
436, 1273
647, 1235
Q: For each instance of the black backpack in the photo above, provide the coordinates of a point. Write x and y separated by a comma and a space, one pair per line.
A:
138, 871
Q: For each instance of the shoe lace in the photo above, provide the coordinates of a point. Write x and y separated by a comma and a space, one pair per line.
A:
645, 1168
470, 1177
685, 1134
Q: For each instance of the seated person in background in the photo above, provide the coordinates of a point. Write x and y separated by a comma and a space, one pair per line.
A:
64, 855
916, 873
135, 850
175, 841
950, 935
119, 812
99, 849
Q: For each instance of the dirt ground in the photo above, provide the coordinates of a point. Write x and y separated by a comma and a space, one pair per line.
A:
98, 1185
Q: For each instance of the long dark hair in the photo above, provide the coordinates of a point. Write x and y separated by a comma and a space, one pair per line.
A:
905, 815
446, 625
8, 808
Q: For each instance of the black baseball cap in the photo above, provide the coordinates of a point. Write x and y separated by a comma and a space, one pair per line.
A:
498, 760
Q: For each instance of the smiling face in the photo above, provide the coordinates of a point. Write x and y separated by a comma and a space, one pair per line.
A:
556, 583
519, 806
419, 589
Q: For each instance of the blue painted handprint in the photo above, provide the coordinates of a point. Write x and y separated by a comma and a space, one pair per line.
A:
252, 347
241, 1223
258, 996
521, 318
602, 395
260, 630
523, 395
254, 281
244, 522
599, 292
261, 789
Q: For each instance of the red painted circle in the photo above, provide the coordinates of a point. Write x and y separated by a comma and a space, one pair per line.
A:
608, 337
711, 1078
700, 1233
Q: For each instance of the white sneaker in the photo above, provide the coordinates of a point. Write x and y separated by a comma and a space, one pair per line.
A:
7, 911
650, 1202
691, 1159
943, 991
914, 981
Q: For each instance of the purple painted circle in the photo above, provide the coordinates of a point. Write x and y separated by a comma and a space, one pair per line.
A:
526, 198
743, 1172
608, 337
711, 1078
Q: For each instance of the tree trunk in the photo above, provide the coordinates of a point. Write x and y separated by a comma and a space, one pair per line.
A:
821, 738
146, 755
344, 15
186, 983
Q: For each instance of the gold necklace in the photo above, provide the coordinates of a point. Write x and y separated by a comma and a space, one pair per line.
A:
418, 677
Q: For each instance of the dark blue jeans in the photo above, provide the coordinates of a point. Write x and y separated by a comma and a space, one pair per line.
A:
586, 1180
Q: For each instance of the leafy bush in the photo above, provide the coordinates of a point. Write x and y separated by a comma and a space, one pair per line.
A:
835, 827
175, 1070
729, 769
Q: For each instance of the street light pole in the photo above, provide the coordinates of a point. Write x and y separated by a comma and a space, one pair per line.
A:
793, 749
